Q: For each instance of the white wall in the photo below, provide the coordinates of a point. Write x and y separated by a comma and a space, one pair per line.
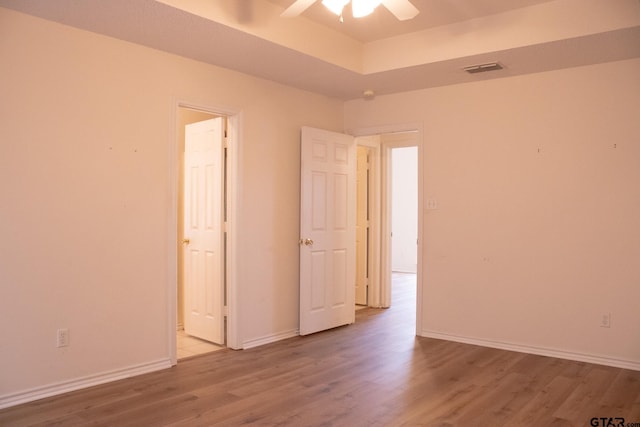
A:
87, 125
404, 209
536, 234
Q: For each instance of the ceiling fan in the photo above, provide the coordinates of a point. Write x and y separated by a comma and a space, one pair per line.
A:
402, 9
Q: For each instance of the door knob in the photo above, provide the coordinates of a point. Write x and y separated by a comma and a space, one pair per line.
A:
306, 242
186, 241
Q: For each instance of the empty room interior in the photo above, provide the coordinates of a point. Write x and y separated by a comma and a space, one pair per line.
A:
194, 168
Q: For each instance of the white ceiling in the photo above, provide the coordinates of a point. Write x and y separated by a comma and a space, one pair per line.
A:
316, 53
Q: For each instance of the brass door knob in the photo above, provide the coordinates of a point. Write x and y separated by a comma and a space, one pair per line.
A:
186, 241
306, 242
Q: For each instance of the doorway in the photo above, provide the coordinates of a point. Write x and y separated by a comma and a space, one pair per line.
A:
404, 224
377, 198
201, 215
392, 211
404, 210
401, 228
226, 200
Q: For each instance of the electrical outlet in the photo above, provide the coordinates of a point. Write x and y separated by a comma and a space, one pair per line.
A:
62, 338
605, 320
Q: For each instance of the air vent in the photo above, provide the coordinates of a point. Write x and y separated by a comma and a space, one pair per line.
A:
492, 66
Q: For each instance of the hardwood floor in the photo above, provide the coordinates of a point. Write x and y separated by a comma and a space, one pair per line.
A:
372, 373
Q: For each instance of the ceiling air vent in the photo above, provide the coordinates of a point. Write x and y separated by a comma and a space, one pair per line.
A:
492, 66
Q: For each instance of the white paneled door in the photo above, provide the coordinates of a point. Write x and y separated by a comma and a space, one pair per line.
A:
362, 225
327, 230
203, 230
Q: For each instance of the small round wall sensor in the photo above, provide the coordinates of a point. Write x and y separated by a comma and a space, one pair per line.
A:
368, 94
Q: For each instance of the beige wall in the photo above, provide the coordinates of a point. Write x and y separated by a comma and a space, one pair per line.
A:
536, 234
87, 125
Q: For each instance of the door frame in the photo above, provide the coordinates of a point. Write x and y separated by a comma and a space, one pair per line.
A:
233, 197
381, 256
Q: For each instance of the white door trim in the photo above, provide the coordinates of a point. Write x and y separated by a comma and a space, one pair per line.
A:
234, 138
384, 288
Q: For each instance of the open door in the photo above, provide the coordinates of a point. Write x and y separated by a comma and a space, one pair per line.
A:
327, 230
362, 225
203, 230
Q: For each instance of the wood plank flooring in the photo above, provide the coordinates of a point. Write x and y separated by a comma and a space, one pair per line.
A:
372, 373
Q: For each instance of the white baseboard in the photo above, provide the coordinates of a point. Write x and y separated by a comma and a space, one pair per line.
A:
267, 339
540, 351
79, 383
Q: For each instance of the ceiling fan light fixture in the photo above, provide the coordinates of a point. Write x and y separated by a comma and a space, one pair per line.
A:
401, 9
362, 8
335, 6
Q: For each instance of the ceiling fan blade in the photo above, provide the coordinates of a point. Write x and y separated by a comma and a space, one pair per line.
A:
402, 9
297, 8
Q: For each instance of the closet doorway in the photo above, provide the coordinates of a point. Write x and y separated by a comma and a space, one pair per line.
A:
204, 295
